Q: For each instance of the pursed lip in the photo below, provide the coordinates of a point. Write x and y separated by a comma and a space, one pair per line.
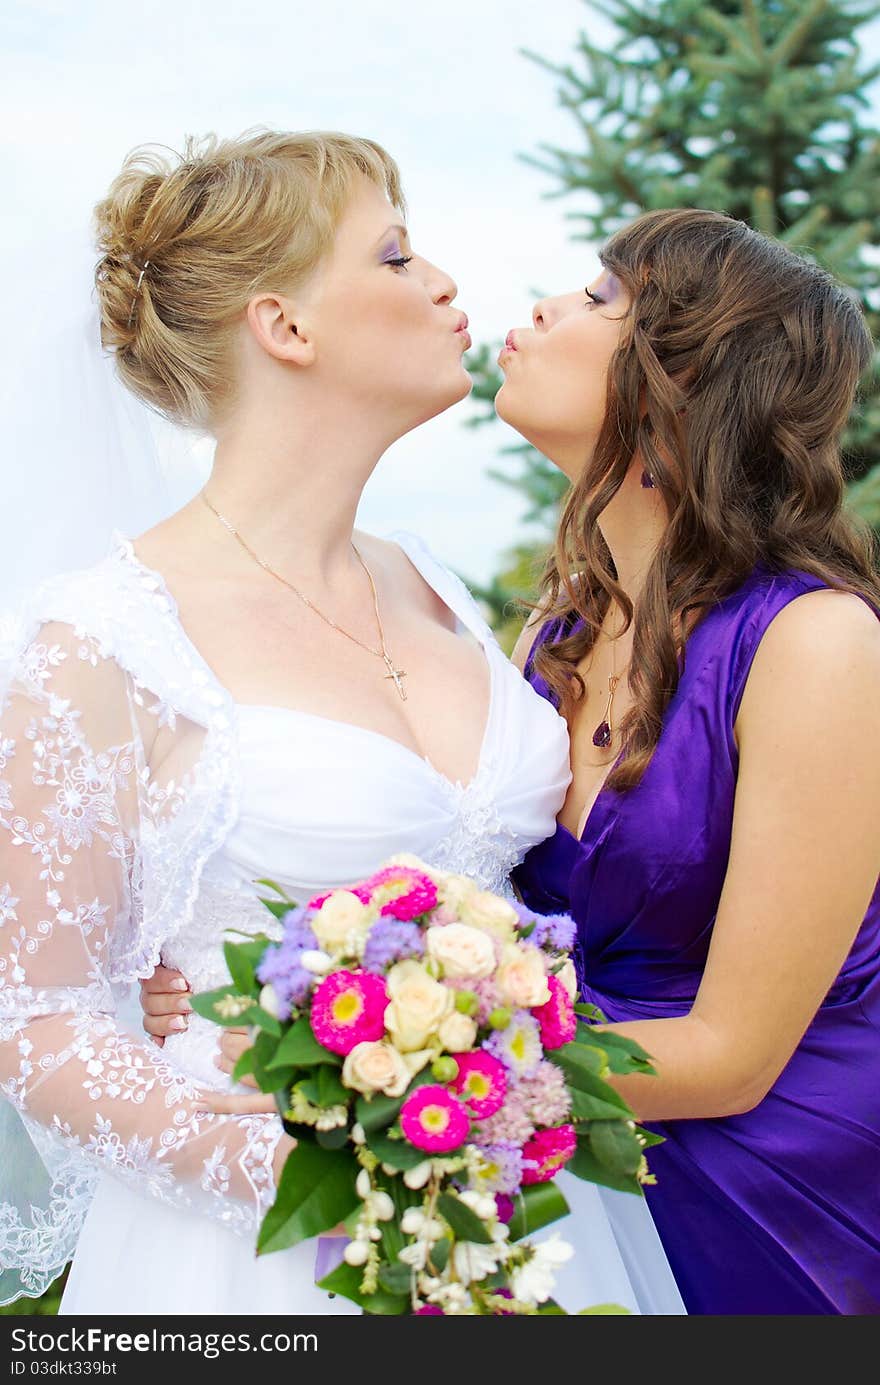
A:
462, 330
509, 345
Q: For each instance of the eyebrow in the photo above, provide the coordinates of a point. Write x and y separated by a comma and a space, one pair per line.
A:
401, 230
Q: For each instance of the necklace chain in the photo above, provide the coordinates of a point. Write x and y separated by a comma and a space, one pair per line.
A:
395, 674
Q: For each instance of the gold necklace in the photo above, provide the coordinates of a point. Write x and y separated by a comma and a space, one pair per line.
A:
397, 675
605, 730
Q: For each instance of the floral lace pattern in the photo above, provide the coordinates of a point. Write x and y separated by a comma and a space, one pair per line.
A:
117, 780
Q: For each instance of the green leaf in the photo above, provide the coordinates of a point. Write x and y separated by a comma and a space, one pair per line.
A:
604, 1310
550, 1308
616, 1146
590, 1012
316, 1192
465, 1224
398, 1153
594, 1057
264, 1049
624, 1055
244, 1067
258, 1018
396, 1278
378, 1112
585, 1165
204, 1004
279, 890
538, 1205
440, 1253
332, 1139
325, 1088
241, 968
300, 1047
577, 1064
585, 1107
346, 1280
276, 907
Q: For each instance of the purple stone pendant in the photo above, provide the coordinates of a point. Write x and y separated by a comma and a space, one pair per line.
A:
647, 480
602, 733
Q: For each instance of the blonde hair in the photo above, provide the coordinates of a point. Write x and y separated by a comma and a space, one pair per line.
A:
227, 219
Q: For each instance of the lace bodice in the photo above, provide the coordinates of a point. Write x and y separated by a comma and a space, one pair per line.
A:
138, 806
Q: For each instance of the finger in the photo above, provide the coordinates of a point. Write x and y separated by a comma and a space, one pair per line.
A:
165, 979
237, 1104
163, 1026
233, 1045
225, 1066
155, 1004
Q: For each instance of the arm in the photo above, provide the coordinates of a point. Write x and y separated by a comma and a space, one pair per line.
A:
71, 796
803, 864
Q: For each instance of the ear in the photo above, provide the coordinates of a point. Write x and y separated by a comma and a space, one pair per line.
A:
279, 330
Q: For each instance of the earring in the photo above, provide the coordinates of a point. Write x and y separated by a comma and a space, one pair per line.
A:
648, 481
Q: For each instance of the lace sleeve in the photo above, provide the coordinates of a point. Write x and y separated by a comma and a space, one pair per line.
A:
90, 763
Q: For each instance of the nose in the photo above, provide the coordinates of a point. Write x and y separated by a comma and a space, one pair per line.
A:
443, 287
540, 314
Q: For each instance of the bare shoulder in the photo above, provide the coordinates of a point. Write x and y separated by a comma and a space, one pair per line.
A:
819, 656
403, 578
527, 636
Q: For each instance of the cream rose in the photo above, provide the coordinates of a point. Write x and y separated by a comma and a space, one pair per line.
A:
376, 1067
418, 1004
521, 978
454, 891
491, 914
343, 918
568, 976
457, 1032
462, 951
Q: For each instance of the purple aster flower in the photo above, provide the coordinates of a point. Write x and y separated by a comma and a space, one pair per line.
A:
280, 963
503, 1170
390, 940
519, 1045
556, 931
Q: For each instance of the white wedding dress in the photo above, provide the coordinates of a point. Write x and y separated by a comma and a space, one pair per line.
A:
138, 805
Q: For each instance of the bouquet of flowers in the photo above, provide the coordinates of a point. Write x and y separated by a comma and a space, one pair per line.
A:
425, 1050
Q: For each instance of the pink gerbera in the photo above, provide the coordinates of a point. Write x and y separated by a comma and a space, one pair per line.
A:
481, 1083
403, 892
434, 1120
547, 1152
320, 900
556, 1017
348, 1008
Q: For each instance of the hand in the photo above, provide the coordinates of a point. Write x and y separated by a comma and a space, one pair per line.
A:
233, 1044
164, 1003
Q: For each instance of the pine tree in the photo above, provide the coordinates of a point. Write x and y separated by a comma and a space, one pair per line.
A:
757, 109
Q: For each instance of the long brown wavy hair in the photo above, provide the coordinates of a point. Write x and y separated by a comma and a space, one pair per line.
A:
734, 377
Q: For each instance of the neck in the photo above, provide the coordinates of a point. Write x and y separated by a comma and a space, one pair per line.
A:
633, 525
293, 493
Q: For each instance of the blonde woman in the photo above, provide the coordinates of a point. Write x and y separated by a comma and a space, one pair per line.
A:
250, 687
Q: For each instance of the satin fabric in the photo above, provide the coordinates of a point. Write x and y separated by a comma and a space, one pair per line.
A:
776, 1210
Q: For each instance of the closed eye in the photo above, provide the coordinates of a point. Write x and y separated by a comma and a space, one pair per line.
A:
594, 298
400, 261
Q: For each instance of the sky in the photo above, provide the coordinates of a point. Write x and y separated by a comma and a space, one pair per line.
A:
443, 86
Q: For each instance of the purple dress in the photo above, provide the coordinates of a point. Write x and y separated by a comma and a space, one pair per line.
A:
777, 1210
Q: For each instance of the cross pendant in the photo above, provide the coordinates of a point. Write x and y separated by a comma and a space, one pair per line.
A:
398, 675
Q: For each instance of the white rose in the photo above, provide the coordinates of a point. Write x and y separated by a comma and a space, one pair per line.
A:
521, 979
454, 890
406, 858
491, 914
457, 1032
462, 951
342, 916
318, 963
568, 976
417, 1006
376, 1067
